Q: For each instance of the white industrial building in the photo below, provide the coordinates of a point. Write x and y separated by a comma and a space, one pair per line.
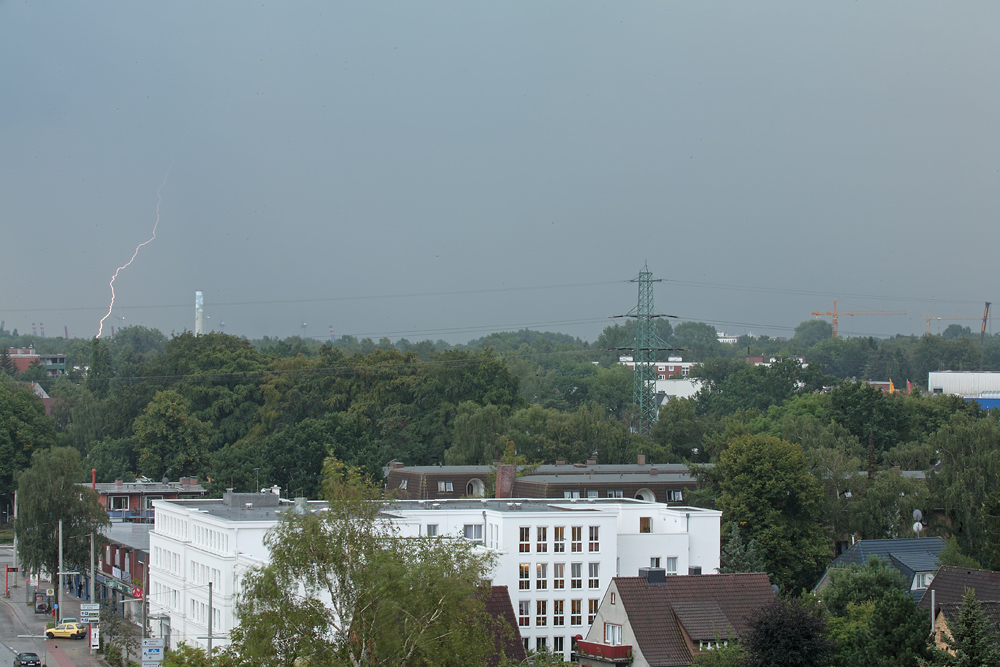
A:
969, 384
556, 556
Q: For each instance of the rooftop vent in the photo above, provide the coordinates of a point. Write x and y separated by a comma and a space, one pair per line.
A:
653, 575
694, 569
435, 506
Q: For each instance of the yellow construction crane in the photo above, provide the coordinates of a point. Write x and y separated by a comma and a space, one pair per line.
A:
984, 319
835, 314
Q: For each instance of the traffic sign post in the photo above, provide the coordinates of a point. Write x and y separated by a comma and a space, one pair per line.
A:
90, 612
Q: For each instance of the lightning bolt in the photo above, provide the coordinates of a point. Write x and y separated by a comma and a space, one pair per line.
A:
100, 325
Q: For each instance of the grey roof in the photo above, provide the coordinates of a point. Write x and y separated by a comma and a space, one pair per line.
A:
915, 550
907, 555
146, 487
135, 535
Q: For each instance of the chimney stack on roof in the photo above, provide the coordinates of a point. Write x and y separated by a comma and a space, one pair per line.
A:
642, 459
653, 575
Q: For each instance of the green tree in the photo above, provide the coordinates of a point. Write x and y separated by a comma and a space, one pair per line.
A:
868, 413
24, 429
679, 430
740, 555
478, 431
342, 588
810, 332
47, 493
787, 633
169, 439
965, 486
973, 639
6, 362
859, 583
699, 341
765, 488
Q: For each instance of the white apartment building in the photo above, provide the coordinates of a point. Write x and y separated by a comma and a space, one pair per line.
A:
556, 556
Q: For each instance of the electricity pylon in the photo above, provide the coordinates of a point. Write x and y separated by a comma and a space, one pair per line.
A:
647, 343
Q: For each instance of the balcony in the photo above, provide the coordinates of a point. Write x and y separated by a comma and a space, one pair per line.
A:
132, 516
613, 655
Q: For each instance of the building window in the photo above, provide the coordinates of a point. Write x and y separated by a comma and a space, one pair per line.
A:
577, 542
542, 545
571, 494
541, 613
676, 495
654, 562
147, 502
541, 643
559, 539
576, 575
645, 524
923, 579
559, 576
592, 606
119, 502
672, 565
524, 640
432, 530
595, 535
592, 493
612, 634
474, 532
541, 576
445, 487
594, 580
525, 545
558, 613
575, 617
402, 484
524, 579
557, 645
524, 613
615, 493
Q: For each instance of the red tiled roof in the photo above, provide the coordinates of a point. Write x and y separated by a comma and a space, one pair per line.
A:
699, 603
498, 605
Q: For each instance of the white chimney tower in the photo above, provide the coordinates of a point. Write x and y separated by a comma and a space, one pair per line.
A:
199, 313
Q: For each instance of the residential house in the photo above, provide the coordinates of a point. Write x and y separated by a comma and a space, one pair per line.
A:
660, 482
655, 620
943, 598
915, 558
133, 501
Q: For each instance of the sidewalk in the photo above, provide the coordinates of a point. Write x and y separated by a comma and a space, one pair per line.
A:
21, 619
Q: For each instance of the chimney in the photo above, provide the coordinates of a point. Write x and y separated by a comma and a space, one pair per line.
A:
560, 462
505, 480
93, 478
653, 575
395, 465
642, 459
118, 482
592, 462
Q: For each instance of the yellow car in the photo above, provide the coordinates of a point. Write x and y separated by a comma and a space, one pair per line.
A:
71, 630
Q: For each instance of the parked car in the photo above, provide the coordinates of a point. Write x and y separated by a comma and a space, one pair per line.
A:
27, 660
71, 630
70, 619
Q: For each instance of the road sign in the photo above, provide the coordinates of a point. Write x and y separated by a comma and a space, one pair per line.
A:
90, 606
137, 592
153, 642
152, 654
11, 569
50, 591
150, 663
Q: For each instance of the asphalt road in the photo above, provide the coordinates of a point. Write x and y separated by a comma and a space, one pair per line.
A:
18, 618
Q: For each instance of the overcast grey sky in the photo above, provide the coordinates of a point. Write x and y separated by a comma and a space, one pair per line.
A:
443, 170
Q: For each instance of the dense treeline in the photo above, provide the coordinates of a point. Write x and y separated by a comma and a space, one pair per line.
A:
240, 413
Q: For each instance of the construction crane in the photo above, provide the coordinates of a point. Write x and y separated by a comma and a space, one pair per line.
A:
986, 315
837, 313
957, 318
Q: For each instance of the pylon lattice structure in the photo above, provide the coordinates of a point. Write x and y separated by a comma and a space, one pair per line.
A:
647, 343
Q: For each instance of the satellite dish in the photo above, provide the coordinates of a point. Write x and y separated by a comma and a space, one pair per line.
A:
917, 527
774, 587
918, 515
